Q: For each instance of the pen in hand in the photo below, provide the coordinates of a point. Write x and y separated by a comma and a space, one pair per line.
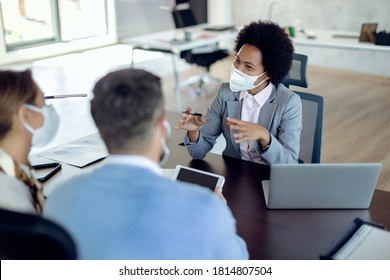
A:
65, 96
192, 113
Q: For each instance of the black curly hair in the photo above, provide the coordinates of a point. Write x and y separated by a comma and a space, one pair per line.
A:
274, 44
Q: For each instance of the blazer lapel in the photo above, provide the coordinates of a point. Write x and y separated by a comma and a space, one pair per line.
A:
268, 111
234, 111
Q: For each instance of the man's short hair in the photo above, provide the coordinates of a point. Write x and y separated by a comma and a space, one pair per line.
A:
125, 106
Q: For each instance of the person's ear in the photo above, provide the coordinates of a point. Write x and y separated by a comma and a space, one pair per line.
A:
164, 127
161, 127
22, 114
28, 117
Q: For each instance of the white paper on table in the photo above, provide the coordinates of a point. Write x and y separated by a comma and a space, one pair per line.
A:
80, 152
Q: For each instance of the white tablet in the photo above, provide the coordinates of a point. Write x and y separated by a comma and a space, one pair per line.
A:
199, 177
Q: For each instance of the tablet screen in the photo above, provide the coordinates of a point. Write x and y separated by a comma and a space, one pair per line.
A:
198, 177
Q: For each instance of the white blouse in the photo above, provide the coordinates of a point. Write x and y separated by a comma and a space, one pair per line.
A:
14, 195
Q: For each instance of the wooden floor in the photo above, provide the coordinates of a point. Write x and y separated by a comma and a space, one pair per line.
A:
356, 115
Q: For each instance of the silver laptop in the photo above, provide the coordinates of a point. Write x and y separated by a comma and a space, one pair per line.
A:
321, 186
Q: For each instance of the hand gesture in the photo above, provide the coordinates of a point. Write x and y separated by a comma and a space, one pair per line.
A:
190, 122
248, 131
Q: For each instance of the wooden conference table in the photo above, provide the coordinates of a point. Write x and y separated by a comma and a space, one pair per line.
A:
274, 234
269, 234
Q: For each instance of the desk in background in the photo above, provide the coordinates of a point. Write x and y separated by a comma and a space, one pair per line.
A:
269, 234
164, 42
336, 39
342, 50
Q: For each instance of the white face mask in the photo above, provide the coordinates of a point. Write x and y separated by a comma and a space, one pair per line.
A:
45, 133
240, 81
163, 141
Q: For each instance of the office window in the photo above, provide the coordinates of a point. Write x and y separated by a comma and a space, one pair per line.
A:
82, 18
27, 23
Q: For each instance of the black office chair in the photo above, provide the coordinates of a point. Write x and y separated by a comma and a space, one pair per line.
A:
312, 112
203, 56
30, 237
297, 74
311, 134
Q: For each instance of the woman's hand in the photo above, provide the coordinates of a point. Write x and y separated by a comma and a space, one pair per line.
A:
190, 122
248, 131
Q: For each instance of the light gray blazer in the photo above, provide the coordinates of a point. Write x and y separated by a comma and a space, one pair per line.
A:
281, 115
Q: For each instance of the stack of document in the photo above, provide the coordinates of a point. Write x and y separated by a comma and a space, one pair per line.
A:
80, 152
367, 243
361, 241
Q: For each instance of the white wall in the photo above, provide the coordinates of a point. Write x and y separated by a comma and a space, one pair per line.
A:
137, 17
220, 12
343, 15
336, 15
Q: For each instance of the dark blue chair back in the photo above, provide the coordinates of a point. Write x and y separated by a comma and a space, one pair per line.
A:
312, 122
312, 111
297, 74
30, 237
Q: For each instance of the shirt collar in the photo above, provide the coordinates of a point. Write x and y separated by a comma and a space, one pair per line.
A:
7, 163
135, 160
261, 97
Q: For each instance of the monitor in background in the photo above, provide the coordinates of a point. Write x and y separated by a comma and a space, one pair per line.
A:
189, 12
199, 8
183, 18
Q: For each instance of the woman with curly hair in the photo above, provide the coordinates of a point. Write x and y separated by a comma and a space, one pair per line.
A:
260, 119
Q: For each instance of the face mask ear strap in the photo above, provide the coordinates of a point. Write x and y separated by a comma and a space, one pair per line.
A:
265, 72
263, 81
28, 127
33, 108
164, 129
163, 140
168, 130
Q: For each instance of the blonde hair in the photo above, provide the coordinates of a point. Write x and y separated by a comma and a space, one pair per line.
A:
16, 88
